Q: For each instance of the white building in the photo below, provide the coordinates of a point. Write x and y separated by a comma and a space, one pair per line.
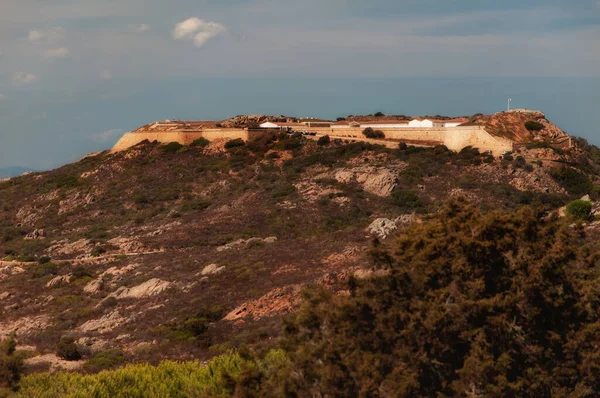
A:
430, 123
282, 125
424, 123
391, 124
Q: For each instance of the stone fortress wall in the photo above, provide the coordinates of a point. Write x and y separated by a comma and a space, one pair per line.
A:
455, 138
183, 137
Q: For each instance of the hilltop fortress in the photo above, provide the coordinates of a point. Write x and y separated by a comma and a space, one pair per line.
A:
495, 133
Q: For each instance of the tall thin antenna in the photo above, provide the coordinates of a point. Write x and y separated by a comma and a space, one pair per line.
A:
509, 101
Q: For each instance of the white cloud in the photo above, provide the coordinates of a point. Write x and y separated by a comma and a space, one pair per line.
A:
24, 78
106, 135
139, 28
106, 75
51, 35
56, 53
197, 30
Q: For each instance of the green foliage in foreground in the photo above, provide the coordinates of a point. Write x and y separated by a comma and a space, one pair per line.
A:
221, 376
580, 209
11, 366
498, 305
169, 379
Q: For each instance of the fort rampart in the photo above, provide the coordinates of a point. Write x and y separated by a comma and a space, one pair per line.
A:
455, 138
183, 137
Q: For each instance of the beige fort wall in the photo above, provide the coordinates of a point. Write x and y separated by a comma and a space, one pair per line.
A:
455, 138
183, 137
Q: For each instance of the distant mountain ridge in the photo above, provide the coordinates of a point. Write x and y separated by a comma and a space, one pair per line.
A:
13, 171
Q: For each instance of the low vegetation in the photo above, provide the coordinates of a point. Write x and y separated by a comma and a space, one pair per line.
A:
11, 366
580, 210
325, 140
371, 133
574, 181
534, 126
169, 379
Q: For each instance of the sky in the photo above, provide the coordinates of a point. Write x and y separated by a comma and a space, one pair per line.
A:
76, 74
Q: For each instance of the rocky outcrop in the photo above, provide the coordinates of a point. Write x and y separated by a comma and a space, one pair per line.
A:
36, 234
94, 286
379, 181
10, 268
279, 301
65, 247
94, 344
117, 272
103, 325
127, 245
24, 326
59, 281
74, 201
149, 288
212, 269
246, 243
382, 227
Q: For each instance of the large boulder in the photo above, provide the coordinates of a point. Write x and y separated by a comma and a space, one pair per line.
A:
382, 227
149, 288
212, 269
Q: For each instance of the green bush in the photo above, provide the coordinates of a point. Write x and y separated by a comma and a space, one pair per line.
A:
104, 360
281, 191
407, 201
580, 210
67, 349
534, 126
201, 142
45, 269
370, 133
519, 162
66, 182
325, 140
172, 147
44, 260
197, 205
575, 182
11, 365
403, 146
238, 142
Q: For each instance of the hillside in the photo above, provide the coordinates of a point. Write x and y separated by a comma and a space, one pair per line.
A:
181, 253
522, 126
